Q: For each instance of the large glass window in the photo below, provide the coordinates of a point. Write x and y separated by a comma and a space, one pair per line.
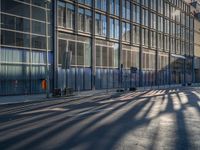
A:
153, 4
7, 21
7, 38
15, 7
173, 33
81, 50
160, 6
38, 13
173, 12
182, 48
66, 15
86, 2
81, 20
136, 13
187, 21
80, 53
15, 39
178, 30
183, 18
15, 23
61, 14
101, 4
114, 28
172, 45
126, 7
136, 34
145, 2
160, 41
166, 26
130, 56
183, 33
87, 57
153, 20
167, 8
84, 20
70, 16
98, 55
163, 61
22, 24
145, 37
62, 49
100, 24
178, 46
148, 61
38, 27
38, 42
114, 7
145, 17
126, 31
71, 48
22, 40
106, 54
88, 21
152, 39
40, 3
166, 41
160, 23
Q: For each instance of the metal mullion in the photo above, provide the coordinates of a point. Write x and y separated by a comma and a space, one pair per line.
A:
140, 52
93, 50
120, 54
156, 56
30, 52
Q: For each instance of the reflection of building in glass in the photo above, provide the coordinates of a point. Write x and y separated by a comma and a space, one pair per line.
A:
196, 11
23, 46
154, 36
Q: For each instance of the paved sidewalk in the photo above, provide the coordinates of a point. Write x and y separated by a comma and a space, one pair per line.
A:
77, 95
42, 97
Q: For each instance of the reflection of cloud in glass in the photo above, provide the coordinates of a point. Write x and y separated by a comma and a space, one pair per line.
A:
176, 13
187, 1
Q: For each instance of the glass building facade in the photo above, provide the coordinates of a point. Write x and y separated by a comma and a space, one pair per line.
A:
106, 39
23, 46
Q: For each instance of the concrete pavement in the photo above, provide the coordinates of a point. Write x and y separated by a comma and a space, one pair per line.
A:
151, 119
42, 97
77, 95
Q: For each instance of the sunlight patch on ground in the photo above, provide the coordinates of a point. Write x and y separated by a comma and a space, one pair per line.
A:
156, 108
183, 98
144, 110
44, 110
176, 102
164, 103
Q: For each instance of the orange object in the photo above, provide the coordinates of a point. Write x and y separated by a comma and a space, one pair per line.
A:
44, 84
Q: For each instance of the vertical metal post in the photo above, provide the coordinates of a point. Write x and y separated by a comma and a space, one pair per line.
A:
55, 46
93, 50
0, 57
140, 53
47, 45
157, 55
107, 80
120, 54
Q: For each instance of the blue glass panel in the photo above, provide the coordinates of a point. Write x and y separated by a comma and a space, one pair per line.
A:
98, 79
79, 79
87, 78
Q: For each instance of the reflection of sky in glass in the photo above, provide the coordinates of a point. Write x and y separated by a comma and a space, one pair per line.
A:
176, 13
